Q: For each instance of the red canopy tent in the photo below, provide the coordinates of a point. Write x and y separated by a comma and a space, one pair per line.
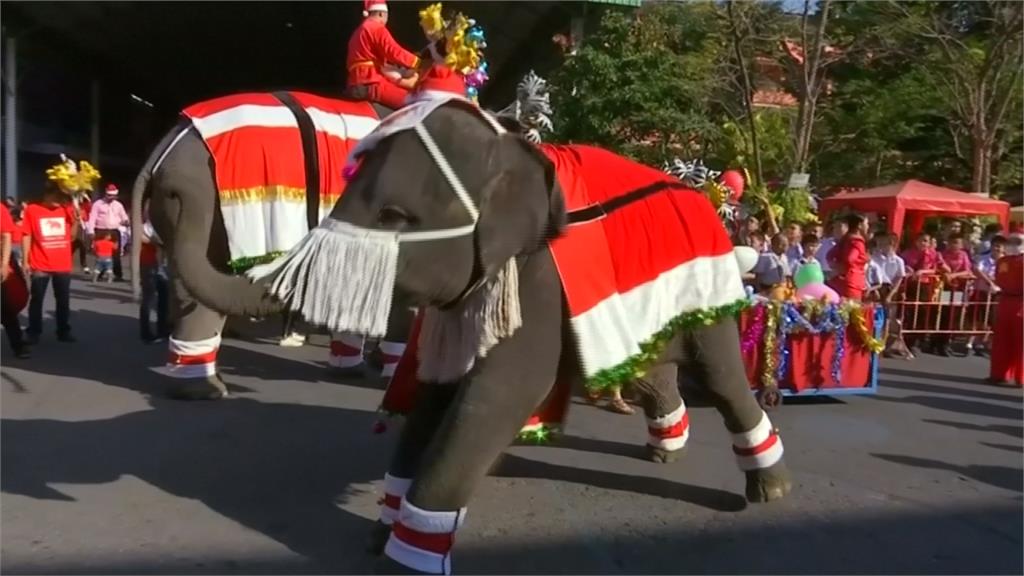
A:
913, 201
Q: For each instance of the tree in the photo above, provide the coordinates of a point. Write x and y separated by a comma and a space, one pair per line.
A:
972, 56
642, 83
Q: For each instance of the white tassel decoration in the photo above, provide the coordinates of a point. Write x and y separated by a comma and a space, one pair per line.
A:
452, 340
340, 276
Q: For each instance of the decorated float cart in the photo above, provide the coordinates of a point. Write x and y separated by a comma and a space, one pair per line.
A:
801, 342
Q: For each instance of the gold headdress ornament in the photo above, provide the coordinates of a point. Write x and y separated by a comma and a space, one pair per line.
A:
464, 45
71, 178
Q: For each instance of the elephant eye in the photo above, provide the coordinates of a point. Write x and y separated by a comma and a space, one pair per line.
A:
392, 217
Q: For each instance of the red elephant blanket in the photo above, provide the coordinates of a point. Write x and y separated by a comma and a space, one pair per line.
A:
642, 258
260, 166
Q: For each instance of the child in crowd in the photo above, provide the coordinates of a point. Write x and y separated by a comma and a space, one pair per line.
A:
772, 268
985, 289
809, 245
924, 264
957, 260
103, 247
886, 271
794, 233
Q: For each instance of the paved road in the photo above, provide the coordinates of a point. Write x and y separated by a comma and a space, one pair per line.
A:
102, 475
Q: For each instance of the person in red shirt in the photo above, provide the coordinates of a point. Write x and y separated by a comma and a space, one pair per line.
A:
1006, 367
12, 287
154, 284
371, 50
50, 226
849, 259
103, 247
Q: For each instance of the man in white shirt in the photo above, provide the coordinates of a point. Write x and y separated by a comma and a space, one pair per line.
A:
886, 268
772, 267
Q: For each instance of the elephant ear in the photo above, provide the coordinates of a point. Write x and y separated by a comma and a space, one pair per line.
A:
522, 205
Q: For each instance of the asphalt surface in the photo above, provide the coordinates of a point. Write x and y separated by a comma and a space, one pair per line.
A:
101, 474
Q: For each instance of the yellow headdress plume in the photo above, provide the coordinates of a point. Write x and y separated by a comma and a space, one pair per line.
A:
71, 178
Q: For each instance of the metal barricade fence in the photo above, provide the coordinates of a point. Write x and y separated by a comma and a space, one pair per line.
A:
933, 304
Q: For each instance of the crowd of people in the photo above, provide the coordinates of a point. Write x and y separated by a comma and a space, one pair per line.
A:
39, 242
865, 263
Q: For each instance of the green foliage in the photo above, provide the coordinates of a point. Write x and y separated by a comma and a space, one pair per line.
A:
640, 84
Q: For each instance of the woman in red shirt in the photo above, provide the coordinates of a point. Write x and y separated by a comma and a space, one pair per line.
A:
849, 259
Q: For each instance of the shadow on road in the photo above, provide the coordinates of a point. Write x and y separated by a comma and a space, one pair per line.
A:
955, 379
960, 406
1015, 431
998, 476
971, 392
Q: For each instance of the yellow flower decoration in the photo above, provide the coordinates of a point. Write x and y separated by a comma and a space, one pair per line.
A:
431, 21
71, 178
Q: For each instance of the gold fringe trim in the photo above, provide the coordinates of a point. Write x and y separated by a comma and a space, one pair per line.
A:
273, 193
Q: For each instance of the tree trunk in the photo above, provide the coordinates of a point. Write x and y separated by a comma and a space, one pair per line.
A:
748, 91
978, 156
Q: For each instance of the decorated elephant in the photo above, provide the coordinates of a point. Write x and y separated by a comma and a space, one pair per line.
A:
534, 265
234, 185
237, 182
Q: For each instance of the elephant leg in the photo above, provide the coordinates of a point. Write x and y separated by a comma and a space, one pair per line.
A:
346, 354
482, 420
714, 352
432, 402
193, 347
668, 424
392, 346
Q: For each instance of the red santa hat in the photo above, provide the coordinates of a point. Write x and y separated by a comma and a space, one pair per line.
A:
111, 190
374, 6
439, 80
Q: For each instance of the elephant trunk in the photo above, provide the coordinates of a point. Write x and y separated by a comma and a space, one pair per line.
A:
225, 293
138, 197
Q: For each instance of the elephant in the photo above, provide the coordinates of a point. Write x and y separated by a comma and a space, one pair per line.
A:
179, 184
475, 226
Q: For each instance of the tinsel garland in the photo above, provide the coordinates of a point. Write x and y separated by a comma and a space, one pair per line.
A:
753, 334
831, 318
770, 336
241, 265
635, 366
540, 435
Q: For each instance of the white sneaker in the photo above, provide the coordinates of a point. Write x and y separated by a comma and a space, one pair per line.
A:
293, 340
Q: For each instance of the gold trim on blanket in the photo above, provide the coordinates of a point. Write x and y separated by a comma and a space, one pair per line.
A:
272, 193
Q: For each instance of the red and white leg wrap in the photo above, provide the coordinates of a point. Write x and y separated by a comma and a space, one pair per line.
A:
422, 540
392, 352
191, 359
671, 431
759, 448
394, 492
346, 350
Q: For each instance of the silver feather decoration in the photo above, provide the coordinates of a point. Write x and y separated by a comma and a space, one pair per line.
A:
532, 108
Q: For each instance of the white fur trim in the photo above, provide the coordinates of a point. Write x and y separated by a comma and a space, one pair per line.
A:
344, 361
393, 486
392, 348
193, 347
763, 460
380, 7
756, 435
389, 369
610, 332
350, 340
430, 522
396, 486
668, 420
188, 371
419, 560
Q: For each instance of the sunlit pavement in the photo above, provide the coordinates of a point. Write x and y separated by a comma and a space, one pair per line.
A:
100, 474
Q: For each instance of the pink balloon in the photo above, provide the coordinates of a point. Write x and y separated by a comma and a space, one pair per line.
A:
817, 292
734, 180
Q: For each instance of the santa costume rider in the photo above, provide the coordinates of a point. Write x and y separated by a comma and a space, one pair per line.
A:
375, 59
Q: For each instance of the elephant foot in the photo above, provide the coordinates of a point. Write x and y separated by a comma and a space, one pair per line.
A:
767, 484
209, 388
386, 565
357, 371
661, 455
379, 535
